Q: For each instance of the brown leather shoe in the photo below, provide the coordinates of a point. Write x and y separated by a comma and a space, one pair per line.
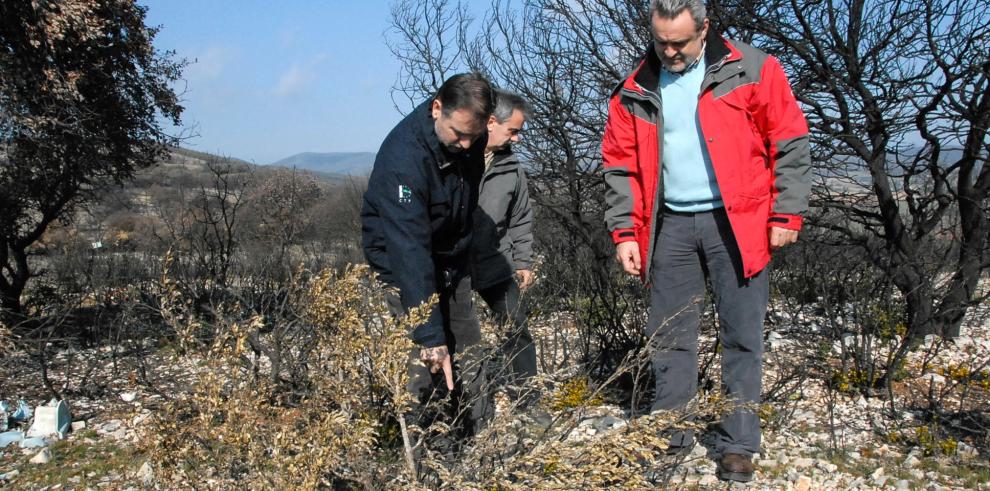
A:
736, 467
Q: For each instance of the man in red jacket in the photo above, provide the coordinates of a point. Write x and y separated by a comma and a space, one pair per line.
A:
708, 169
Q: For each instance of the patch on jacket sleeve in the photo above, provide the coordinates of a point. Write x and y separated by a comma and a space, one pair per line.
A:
405, 194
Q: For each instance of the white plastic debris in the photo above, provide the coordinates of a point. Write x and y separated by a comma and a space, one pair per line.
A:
51, 419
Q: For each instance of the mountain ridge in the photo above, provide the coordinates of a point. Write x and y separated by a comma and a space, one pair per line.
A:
341, 163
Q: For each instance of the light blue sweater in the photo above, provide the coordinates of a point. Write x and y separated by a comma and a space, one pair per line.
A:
688, 177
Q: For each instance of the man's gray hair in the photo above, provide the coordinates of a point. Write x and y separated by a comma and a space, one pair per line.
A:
506, 103
668, 9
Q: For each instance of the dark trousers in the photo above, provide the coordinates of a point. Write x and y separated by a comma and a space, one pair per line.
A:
468, 408
504, 299
689, 248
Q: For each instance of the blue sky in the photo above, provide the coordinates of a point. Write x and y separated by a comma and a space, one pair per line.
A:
268, 79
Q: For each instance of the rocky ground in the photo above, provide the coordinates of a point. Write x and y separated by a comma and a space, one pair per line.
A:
816, 437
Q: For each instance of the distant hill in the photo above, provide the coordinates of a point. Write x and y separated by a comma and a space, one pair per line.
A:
345, 163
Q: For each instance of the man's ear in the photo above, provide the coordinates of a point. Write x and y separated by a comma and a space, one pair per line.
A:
437, 109
491, 123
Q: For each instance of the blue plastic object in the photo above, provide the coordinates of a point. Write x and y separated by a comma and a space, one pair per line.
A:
8, 437
36, 442
23, 412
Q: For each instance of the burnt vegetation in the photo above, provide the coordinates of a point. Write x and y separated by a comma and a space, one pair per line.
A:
113, 236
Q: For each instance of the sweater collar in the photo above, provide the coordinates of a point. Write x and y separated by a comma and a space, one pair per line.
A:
648, 74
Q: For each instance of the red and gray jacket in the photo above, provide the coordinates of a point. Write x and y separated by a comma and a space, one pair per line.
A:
756, 135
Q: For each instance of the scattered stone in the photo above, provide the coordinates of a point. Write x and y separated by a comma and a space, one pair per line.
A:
120, 434
698, 452
903, 485
708, 481
803, 484
849, 340
128, 396
111, 426
609, 422
966, 452
803, 463
775, 341
43, 457
933, 378
911, 462
78, 426
877, 474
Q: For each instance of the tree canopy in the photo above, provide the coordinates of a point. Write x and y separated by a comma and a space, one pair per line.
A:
84, 95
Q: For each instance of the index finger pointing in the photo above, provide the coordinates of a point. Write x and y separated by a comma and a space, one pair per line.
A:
448, 372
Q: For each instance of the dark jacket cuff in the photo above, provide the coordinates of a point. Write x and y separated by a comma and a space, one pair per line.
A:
429, 336
790, 222
620, 235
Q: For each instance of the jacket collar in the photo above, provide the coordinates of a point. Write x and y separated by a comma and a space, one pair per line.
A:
647, 74
717, 49
504, 157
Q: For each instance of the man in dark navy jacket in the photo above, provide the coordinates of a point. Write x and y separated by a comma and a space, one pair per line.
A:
416, 226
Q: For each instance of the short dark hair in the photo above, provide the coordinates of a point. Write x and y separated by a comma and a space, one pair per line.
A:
470, 91
507, 103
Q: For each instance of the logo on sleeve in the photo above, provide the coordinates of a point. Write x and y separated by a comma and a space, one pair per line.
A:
405, 194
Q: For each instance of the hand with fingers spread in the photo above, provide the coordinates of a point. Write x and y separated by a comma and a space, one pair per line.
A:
437, 359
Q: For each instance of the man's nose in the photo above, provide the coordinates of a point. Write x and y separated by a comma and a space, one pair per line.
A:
465, 142
514, 138
669, 52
